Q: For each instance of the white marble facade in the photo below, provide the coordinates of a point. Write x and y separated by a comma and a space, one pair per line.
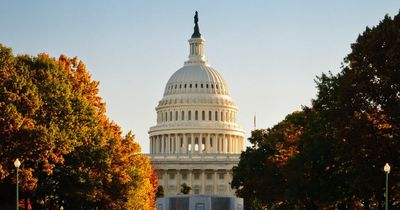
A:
196, 139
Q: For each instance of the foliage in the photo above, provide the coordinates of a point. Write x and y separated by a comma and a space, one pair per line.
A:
185, 189
331, 155
53, 120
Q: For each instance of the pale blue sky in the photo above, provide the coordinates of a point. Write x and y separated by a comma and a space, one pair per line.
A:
268, 51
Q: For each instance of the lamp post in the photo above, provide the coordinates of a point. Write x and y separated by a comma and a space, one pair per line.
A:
17, 164
386, 168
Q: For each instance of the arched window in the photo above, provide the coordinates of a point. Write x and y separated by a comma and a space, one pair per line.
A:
203, 115
196, 115
183, 115
195, 85
190, 115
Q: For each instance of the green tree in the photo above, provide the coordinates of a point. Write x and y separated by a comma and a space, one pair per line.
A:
185, 189
160, 192
342, 141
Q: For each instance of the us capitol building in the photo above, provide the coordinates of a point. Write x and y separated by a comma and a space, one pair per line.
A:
196, 139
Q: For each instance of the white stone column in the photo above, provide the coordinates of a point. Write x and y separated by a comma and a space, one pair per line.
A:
228, 139
215, 143
190, 180
225, 144
168, 144
162, 144
177, 145
178, 179
200, 143
236, 144
228, 181
185, 145
219, 140
202, 186
215, 182
232, 145
192, 143
165, 181
207, 146
156, 144
151, 145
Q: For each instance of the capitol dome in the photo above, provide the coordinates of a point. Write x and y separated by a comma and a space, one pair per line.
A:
196, 78
196, 131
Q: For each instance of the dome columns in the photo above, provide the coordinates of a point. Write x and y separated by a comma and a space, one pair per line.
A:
196, 143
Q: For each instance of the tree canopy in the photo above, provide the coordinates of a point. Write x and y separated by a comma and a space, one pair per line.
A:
54, 121
331, 155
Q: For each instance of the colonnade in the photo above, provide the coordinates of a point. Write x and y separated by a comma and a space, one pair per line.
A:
195, 143
201, 181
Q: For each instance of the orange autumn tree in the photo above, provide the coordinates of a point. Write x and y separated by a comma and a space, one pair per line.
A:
53, 120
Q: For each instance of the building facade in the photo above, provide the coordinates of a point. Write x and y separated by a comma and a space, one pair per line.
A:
196, 140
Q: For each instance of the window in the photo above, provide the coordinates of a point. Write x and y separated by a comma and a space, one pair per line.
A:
185, 86
203, 115
175, 86
216, 116
211, 141
206, 85
209, 115
195, 85
180, 86
184, 176
197, 176
222, 116
209, 176
216, 86
176, 115
171, 176
190, 115
201, 85
196, 115
170, 116
190, 85
221, 176
183, 115
212, 86
166, 116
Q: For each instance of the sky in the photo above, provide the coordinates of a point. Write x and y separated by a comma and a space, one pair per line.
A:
269, 52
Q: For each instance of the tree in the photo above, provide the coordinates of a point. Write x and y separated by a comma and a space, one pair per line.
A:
160, 192
185, 189
342, 141
53, 120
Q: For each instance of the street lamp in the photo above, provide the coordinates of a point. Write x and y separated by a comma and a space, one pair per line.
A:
17, 164
386, 168
61, 208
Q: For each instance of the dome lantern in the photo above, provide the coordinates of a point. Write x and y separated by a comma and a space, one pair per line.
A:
196, 42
